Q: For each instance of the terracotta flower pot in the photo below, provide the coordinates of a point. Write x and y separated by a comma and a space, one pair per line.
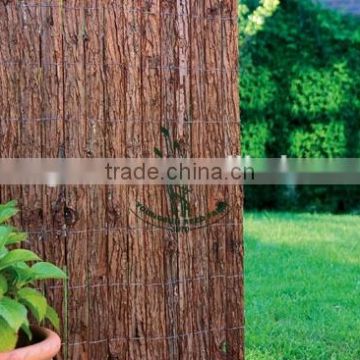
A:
47, 346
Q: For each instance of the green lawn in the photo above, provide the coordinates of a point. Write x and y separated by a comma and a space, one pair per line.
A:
302, 286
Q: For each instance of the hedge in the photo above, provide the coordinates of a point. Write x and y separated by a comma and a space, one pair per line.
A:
300, 96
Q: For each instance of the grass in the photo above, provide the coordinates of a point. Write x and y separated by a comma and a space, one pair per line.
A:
302, 286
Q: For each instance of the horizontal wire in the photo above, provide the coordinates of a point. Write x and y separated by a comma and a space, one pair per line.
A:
42, 119
67, 231
169, 68
115, 121
170, 283
132, 11
156, 338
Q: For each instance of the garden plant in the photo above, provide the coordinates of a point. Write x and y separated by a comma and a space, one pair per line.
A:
20, 273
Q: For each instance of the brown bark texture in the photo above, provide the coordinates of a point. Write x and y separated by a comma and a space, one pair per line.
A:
98, 78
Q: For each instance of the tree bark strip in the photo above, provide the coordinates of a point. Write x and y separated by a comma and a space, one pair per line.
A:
10, 120
52, 139
97, 247
169, 86
76, 209
134, 140
200, 289
234, 228
117, 202
28, 89
30, 130
183, 118
199, 268
153, 237
217, 148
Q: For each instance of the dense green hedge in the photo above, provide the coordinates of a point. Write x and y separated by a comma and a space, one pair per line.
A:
300, 96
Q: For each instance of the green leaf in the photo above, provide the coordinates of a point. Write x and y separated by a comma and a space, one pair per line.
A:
14, 313
35, 301
18, 255
3, 251
26, 329
3, 286
45, 270
7, 211
20, 272
16, 237
8, 336
53, 317
5, 231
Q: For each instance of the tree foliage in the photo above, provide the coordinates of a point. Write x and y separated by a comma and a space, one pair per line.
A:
299, 82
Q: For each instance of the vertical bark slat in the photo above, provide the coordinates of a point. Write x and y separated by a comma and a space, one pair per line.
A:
217, 147
52, 139
199, 133
134, 137
198, 253
30, 130
153, 237
117, 204
76, 209
168, 120
183, 134
10, 110
97, 248
234, 229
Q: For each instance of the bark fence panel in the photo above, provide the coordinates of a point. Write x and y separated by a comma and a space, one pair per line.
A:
111, 79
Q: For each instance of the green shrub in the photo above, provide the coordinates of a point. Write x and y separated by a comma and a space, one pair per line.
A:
302, 68
258, 90
320, 141
19, 270
318, 92
255, 136
300, 75
252, 22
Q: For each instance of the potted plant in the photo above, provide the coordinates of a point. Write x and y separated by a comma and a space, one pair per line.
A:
20, 271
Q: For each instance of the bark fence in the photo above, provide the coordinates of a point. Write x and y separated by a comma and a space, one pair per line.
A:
97, 78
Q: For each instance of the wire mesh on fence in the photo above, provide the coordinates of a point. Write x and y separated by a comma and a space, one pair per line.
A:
70, 71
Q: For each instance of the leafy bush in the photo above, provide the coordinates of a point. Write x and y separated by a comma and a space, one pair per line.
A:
300, 75
303, 67
318, 92
263, 89
321, 141
252, 22
19, 270
255, 136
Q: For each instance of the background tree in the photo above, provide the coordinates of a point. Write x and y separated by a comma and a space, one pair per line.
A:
299, 90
